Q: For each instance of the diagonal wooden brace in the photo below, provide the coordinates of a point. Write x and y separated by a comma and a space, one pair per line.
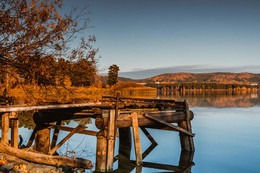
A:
170, 125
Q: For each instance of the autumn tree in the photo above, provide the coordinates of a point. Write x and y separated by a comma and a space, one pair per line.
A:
33, 34
113, 75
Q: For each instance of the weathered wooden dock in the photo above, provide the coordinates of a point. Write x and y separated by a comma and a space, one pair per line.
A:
113, 117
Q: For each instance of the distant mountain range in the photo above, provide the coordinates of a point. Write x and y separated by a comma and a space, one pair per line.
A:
219, 77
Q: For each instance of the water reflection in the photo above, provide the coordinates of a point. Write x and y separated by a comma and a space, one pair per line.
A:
218, 99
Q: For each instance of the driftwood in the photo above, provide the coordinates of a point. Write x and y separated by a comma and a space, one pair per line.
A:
46, 159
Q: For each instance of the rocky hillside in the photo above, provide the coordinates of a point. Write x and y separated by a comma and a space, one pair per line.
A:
229, 78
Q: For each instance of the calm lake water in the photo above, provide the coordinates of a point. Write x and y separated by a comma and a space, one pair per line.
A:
227, 128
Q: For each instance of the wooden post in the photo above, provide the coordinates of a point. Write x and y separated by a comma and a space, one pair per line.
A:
111, 140
42, 139
14, 133
137, 142
188, 119
187, 143
101, 154
5, 129
55, 135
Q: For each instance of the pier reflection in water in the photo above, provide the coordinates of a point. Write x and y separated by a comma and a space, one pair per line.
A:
125, 164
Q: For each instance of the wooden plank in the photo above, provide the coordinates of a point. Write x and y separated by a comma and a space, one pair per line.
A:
75, 130
69, 129
101, 153
46, 159
137, 142
55, 135
14, 133
111, 141
169, 125
5, 129
43, 107
148, 135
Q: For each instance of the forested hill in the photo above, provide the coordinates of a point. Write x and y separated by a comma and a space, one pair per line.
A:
229, 78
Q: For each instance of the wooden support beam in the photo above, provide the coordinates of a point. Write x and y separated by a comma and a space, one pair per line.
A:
77, 129
42, 139
170, 125
137, 142
101, 153
30, 142
55, 135
14, 133
148, 135
111, 140
69, 129
5, 129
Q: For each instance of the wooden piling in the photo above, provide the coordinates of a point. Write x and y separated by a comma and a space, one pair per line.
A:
5, 129
101, 153
137, 142
55, 135
125, 142
111, 140
14, 133
42, 139
187, 112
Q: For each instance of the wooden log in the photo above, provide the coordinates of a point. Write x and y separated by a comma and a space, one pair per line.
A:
101, 153
5, 128
137, 142
124, 120
111, 141
75, 130
59, 115
47, 159
170, 125
42, 139
45, 107
14, 133
55, 135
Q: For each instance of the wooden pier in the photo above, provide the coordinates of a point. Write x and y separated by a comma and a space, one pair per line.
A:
113, 117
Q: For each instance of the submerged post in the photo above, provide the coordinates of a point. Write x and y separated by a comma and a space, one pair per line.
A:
101, 154
187, 143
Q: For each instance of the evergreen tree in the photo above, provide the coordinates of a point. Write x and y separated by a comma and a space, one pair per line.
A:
113, 75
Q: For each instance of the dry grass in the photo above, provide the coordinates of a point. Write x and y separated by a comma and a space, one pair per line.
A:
43, 95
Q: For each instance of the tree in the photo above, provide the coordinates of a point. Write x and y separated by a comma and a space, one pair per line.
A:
33, 32
113, 75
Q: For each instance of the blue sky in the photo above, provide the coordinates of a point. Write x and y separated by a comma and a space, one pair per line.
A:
156, 34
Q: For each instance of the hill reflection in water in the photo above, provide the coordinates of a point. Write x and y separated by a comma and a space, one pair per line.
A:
218, 99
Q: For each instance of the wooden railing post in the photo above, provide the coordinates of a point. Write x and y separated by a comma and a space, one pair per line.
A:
14, 130
137, 142
5, 129
111, 140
